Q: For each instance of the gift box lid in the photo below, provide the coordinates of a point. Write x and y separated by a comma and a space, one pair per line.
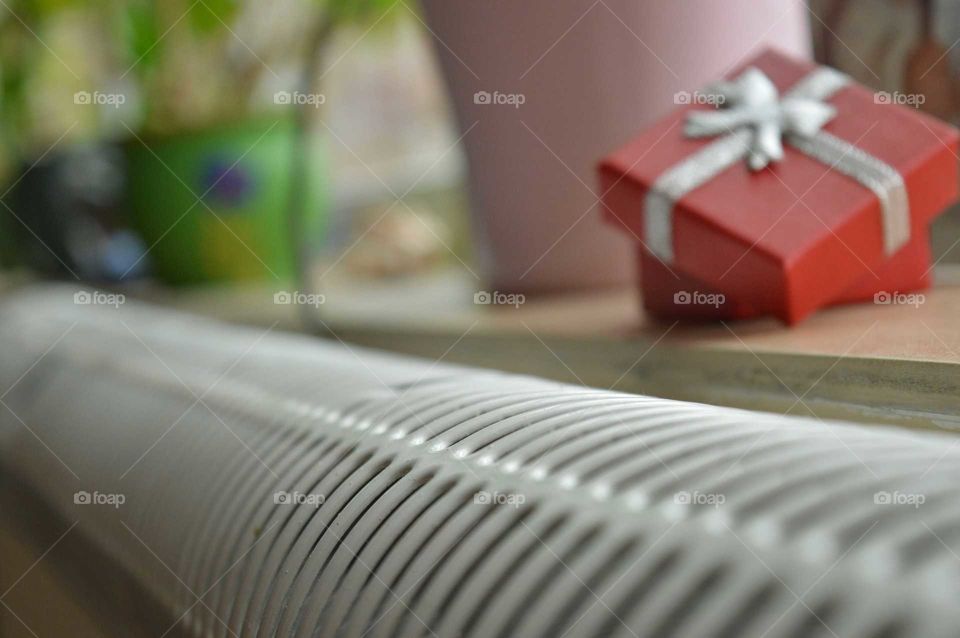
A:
798, 232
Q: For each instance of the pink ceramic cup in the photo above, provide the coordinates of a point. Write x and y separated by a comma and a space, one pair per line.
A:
549, 86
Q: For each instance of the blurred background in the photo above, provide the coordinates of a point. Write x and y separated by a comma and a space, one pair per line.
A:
288, 144
178, 141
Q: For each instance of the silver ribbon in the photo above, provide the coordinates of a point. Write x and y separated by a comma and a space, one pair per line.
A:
757, 122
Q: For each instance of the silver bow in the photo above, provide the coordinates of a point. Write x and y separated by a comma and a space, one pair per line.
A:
752, 125
752, 101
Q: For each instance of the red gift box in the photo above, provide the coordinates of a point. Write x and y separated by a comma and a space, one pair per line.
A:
801, 233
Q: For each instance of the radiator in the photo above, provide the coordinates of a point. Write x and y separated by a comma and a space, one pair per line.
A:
251, 483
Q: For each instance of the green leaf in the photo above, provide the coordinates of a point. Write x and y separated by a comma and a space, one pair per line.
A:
213, 15
39, 9
360, 11
141, 33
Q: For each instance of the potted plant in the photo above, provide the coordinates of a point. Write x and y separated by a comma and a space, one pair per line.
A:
226, 180
210, 166
212, 104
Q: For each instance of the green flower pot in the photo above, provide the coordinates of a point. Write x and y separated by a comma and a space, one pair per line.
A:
212, 205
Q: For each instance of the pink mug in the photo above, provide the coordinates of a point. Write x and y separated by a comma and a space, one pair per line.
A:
543, 88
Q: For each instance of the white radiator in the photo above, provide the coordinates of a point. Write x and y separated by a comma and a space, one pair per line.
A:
304, 488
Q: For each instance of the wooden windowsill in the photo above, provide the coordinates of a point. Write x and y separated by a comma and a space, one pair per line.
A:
872, 363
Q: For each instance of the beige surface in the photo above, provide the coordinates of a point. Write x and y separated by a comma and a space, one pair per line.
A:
443, 304
895, 364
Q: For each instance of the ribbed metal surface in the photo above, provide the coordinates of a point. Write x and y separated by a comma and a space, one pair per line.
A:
459, 502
